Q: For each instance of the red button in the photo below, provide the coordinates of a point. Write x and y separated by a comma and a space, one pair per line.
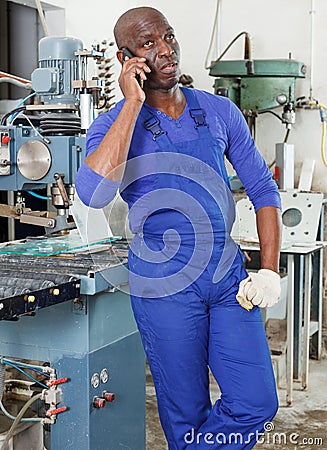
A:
109, 396
5, 139
99, 402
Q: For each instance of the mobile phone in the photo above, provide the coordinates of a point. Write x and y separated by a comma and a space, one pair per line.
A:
127, 54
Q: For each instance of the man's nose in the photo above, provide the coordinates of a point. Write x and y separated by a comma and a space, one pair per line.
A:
164, 49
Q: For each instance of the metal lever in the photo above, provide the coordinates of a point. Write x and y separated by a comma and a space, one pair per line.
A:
60, 183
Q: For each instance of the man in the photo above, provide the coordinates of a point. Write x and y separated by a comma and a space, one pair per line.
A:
164, 148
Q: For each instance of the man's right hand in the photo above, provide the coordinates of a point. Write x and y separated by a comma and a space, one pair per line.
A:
129, 85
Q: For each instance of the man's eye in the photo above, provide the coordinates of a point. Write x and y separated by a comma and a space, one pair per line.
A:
170, 36
147, 44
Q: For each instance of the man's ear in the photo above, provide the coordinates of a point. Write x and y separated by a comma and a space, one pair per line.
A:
119, 55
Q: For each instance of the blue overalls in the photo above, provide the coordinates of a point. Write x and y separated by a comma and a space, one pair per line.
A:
184, 276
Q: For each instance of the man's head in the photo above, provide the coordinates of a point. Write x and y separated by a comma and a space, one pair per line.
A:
146, 33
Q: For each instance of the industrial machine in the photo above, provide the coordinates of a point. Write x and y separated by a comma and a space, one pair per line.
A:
258, 87
269, 84
47, 146
71, 356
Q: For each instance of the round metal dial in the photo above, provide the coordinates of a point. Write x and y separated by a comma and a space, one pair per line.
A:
34, 160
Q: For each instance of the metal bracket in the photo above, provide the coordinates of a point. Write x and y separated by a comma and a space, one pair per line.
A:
26, 215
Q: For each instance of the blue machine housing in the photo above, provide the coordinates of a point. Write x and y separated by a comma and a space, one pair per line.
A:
80, 339
67, 154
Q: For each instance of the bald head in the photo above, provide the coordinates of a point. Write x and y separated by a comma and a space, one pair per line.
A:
130, 18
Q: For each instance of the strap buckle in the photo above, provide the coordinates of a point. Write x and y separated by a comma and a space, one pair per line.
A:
199, 114
153, 125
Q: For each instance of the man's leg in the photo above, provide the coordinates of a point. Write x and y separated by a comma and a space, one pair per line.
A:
240, 361
174, 332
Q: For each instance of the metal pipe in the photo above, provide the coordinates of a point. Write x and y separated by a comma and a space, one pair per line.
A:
42, 18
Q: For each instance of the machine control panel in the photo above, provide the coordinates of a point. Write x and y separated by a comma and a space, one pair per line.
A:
5, 161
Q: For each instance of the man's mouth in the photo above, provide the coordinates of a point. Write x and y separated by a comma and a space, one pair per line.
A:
169, 68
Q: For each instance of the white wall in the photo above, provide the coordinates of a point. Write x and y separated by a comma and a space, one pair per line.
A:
277, 27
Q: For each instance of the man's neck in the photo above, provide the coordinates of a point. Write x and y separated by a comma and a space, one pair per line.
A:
171, 102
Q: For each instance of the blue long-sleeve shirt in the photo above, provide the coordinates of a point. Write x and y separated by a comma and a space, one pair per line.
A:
227, 125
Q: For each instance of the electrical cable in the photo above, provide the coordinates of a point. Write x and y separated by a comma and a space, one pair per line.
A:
15, 77
214, 32
18, 418
41, 373
21, 364
26, 419
37, 369
46, 140
273, 113
272, 164
227, 48
5, 117
15, 82
21, 103
286, 135
41, 197
27, 375
19, 381
42, 18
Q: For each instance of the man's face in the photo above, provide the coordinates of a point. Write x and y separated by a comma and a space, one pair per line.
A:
153, 38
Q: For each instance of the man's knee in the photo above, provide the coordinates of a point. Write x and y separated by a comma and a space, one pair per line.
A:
271, 406
266, 408
256, 409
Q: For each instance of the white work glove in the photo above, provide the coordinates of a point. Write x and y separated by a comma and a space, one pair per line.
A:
259, 289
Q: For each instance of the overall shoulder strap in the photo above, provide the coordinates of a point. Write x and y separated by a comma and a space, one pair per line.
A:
151, 123
197, 113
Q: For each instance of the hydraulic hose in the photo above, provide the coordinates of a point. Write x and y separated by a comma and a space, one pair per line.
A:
323, 118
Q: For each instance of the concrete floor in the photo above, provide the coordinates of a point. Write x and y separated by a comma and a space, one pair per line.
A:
302, 426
